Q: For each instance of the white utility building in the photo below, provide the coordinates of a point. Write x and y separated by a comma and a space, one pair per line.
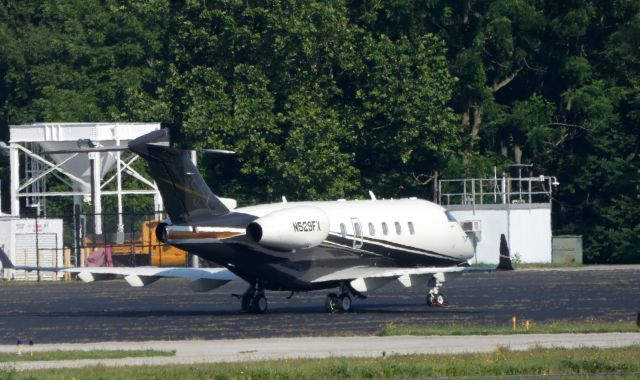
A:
32, 242
519, 208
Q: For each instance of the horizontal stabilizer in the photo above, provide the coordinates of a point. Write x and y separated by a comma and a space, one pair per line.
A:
218, 151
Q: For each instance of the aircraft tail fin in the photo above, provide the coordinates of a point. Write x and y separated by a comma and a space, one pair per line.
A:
4, 259
186, 196
505, 256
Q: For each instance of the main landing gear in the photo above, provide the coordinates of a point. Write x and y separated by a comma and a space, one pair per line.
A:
254, 301
435, 297
335, 303
341, 303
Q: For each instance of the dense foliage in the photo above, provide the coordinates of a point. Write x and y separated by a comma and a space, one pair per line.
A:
326, 99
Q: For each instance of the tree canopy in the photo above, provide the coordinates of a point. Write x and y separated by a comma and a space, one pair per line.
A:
327, 99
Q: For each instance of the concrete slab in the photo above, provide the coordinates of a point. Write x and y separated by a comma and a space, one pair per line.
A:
215, 351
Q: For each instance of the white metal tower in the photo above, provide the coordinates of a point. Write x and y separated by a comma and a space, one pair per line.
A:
74, 167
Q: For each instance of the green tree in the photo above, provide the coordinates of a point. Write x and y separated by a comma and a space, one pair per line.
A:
326, 99
76, 60
306, 96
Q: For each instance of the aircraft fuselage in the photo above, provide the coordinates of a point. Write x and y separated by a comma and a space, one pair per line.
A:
407, 233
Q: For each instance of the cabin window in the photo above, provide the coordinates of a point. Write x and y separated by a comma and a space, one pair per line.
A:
398, 228
372, 230
357, 229
411, 230
385, 230
343, 230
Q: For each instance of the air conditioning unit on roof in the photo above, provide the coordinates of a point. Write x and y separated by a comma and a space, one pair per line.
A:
472, 227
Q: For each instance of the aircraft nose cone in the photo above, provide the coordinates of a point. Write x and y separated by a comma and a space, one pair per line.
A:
467, 248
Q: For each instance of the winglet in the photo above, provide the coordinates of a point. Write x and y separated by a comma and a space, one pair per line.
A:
4, 259
505, 257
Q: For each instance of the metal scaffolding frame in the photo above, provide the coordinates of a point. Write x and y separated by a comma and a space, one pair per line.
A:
497, 190
50, 149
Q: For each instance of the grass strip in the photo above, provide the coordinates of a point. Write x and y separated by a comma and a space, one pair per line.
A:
79, 354
548, 265
620, 362
556, 327
534, 265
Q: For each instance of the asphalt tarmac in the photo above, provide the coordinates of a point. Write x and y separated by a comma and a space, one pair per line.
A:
167, 310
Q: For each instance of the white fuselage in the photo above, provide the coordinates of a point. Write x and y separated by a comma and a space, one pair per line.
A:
412, 223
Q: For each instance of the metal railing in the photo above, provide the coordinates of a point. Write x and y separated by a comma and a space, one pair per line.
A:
497, 190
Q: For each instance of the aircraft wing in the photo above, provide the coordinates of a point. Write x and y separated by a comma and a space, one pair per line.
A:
202, 279
364, 278
383, 272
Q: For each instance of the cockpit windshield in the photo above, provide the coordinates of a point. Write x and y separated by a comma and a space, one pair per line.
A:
450, 216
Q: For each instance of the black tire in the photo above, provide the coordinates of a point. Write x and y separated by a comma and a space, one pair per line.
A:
246, 303
331, 303
430, 299
345, 303
436, 300
259, 304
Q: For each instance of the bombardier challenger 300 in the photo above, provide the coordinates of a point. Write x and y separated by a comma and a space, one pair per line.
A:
352, 246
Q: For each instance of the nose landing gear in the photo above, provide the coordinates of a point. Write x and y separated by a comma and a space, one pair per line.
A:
436, 300
435, 297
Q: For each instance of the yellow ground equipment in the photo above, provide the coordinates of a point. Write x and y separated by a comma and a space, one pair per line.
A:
162, 255
145, 249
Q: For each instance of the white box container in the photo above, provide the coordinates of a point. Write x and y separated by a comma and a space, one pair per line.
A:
32, 243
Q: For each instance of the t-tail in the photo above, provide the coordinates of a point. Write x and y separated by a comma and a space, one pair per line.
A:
186, 196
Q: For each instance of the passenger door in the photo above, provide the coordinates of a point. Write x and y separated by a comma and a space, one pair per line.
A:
357, 233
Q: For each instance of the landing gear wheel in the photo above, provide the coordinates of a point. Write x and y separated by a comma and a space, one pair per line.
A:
436, 300
345, 303
259, 304
331, 303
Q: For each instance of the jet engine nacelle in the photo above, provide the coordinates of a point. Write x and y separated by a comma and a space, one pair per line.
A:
161, 232
293, 228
